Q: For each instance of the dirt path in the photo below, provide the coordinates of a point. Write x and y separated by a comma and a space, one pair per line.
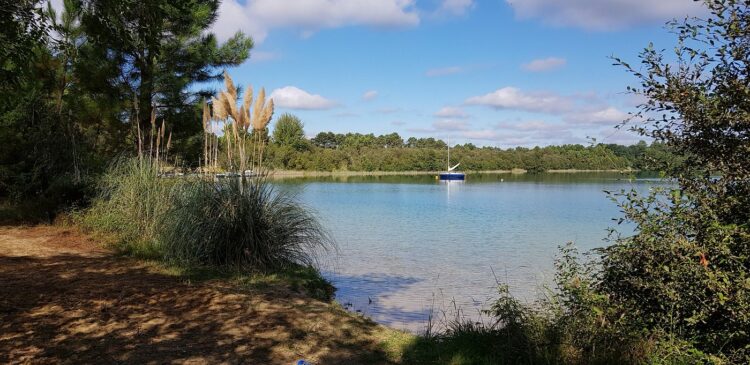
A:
65, 300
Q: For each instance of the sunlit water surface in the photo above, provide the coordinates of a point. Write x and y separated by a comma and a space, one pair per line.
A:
409, 246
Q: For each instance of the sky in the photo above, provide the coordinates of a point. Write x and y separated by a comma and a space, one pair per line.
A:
501, 73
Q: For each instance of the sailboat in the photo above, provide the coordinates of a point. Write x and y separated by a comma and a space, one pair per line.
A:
451, 174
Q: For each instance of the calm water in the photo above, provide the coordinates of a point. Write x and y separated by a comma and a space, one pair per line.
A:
408, 245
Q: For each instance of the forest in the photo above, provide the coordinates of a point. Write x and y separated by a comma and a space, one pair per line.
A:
329, 151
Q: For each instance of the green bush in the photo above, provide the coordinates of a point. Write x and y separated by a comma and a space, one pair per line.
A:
573, 324
685, 272
247, 224
195, 221
132, 204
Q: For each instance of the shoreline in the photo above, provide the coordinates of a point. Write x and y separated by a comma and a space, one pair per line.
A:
575, 171
304, 173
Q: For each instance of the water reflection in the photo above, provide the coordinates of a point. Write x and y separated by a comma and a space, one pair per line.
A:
409, 244
450, 185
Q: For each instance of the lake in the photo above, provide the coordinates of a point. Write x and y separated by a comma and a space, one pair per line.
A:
409, 246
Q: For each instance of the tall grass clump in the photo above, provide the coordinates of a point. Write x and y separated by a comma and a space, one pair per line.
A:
241, 224
237, 124
132, 203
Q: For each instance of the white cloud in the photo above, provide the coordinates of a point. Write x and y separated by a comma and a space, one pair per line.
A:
604, 14
484, 134
539, 132
370, 95
527, 133
455, 7
451, 112
450, 125
571, 118
544, 64
513, 98
421, 130
258, 17
292, 97
444, 71
533, 125
582, 109
607, 116
234, 17
622, 136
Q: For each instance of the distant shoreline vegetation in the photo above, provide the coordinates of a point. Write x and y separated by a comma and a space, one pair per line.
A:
343, 173
354, 152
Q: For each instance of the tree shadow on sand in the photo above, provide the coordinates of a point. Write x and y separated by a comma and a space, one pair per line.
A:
77, 309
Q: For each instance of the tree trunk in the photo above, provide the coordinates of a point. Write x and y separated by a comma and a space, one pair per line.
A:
145, 93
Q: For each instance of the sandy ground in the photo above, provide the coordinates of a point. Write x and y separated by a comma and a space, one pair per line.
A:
63, 299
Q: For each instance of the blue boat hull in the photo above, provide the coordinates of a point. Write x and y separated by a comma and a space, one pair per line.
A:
452, 176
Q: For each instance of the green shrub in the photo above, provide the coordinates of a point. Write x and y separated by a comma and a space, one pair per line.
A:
684, 273
195, 221
132, 204
245, 224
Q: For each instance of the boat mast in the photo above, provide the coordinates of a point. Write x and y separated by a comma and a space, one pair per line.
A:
449, 153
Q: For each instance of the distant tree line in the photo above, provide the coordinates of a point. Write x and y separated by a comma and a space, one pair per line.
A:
329, 151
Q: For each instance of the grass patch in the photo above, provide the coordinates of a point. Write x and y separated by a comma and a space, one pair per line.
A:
131, 207
305, 280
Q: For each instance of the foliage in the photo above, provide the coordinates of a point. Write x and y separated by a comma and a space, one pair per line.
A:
38, 153
686, 270
240, 224
75, 80
354, 154
231, 223
566, 327
132, 205
153, 52
289, 131
20, 33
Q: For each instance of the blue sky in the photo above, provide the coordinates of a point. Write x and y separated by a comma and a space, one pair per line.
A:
492, 72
